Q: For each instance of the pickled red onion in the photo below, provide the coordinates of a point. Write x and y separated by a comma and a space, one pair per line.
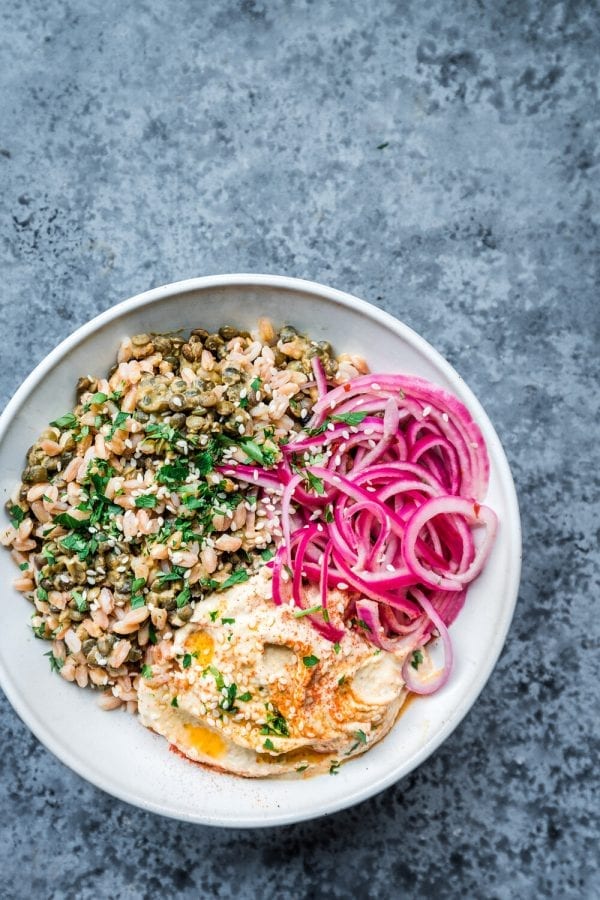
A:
386, 515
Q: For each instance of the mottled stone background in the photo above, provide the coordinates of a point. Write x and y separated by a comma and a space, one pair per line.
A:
439, 159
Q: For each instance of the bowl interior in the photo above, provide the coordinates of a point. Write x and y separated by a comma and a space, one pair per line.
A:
112, 749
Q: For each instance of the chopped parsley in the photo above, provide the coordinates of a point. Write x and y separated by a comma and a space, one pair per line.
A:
163, 432
213, 615
16, 515
236, 577
67, 421
417, 659
42, 594
147, 671
267, 554
276, 723
56, 664
336, 647
137, 584
219, 680
187, 660
97, 503
175, 702
172, 473
256, 384
174, 575
315, 483
68, 521
228, 691
204, 462
351, 418
137, 601
79, 544
361, 738
334, 768
182, 598
146, 501
302, 768
80, 601
226, 621
24, 566
119, 420
260, 454
310, 661
228, 701
268, 744
312, 432
49, 556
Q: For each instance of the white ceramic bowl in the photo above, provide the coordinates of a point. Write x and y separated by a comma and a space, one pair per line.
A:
111, 749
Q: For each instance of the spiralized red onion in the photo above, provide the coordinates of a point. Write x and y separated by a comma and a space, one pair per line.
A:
381, 497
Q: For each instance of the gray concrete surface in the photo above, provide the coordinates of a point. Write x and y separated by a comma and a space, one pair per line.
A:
441, 160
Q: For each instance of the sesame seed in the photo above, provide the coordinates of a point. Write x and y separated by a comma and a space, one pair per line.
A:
342, 586
375, 386
426, 411
445, 417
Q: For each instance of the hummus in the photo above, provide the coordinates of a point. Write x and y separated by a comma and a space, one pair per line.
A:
254, 690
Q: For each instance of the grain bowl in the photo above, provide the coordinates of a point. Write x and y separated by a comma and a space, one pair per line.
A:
118, 635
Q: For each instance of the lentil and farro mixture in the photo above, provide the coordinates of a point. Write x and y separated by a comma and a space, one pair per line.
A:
121, 524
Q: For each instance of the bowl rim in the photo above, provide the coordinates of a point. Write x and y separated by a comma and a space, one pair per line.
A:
347, 301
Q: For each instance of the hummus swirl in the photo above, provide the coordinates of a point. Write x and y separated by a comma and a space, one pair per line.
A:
254, 690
